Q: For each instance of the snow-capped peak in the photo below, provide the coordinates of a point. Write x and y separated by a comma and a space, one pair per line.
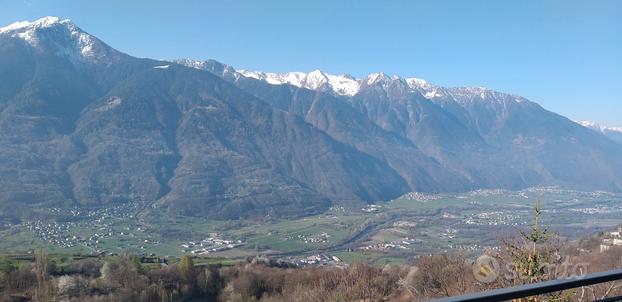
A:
315, 79
61, 36
375, 78
40, 23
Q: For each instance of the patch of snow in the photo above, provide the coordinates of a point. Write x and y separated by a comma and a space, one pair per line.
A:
112, 103
376, 78
474, 94
192, 63
294, 78
431, 94
344, 84
417, 83
588, 124
253, 74
162, 67
428, 90
315, 80
208, 108
14, 26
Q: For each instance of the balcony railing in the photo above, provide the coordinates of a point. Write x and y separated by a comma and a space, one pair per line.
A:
528, 290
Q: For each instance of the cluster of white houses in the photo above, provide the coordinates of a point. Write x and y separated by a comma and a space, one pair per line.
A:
210, 245
320, 260
612, 239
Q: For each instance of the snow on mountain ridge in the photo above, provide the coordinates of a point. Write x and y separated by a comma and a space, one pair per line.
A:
347, 85
414, 82
81, 46
27, 30
340, 84
40, 23
344, 84
478, 93
315, 80
598, 127
192, 63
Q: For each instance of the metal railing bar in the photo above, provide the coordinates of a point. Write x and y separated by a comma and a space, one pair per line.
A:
614, 299
527, 290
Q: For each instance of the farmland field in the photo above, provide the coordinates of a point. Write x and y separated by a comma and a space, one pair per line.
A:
394, 231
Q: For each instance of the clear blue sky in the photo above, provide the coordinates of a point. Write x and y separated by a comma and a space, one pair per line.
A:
565, 55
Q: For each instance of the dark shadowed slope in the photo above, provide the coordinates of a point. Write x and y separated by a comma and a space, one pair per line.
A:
87, 124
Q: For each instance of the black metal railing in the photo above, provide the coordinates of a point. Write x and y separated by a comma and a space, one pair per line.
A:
528, 290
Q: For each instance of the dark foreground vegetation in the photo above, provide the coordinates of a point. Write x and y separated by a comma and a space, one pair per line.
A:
124, 278
533, 255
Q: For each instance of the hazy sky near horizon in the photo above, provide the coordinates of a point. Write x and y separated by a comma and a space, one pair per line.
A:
564, 55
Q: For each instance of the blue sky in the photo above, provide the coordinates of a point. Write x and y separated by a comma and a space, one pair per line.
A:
565, 55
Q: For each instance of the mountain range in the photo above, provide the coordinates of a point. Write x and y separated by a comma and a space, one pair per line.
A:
84, 124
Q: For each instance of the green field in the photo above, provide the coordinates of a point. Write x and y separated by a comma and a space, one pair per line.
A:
428, 223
